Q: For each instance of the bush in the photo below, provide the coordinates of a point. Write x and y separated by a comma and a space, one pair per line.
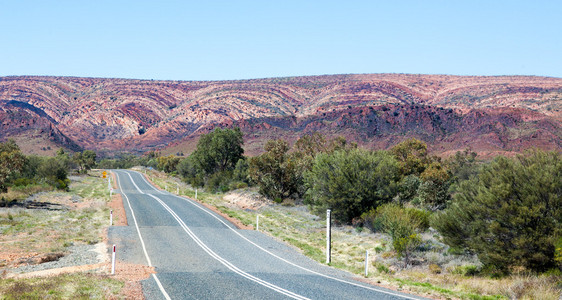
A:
351, 182
402, 225
465, 270
510, 215
558, 253
434, 269
12, 162
168, 163
54, 173
218, 150
374, 221
220, 181
276, 172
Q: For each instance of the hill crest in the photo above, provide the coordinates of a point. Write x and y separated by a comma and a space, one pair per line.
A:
508, 113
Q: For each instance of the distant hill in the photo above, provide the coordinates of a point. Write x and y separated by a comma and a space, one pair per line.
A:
489, 114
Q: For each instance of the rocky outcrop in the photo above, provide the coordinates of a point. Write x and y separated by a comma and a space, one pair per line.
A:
489, 114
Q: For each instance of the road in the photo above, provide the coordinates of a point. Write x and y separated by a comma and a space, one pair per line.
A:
199, 255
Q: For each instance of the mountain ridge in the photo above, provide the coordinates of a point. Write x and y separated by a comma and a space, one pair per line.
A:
111, 115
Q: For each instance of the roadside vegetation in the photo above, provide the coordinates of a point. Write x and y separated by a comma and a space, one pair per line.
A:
455, 227
68, 286
452, 227
50, 205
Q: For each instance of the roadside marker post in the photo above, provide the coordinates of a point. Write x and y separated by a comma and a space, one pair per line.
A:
328, 236
111, 217
195, 194
366, 263
113, 261
258, 223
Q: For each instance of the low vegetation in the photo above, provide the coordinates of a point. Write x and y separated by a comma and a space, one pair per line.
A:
453, 220
435, 269
68, 286
45, 213
455, 227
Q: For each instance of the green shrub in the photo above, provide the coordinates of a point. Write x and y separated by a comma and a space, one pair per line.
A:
277, 173
235, 185
558, 253
220, 181
465, 270
510, 215
351, 182
402, 225
382, 268
23, 182
434, 269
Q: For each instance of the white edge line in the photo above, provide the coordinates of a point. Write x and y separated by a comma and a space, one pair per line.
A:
189, 200
140, 236
203, 246
225, 262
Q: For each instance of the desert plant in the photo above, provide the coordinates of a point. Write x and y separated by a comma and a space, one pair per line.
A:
511, 214
12, 162
276, 172
402, 225
351, 182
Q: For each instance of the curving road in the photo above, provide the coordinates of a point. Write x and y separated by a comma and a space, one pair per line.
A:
199, 255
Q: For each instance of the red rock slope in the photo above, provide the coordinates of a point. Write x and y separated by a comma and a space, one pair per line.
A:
489, 114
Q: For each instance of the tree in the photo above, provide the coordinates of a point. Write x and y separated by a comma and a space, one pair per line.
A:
54, 172
188, 169
219, 150
510, 214
433, 191
12, 162
310, 144
85, 160
412, 156
462, 166
351, 182
168, 163
276, 172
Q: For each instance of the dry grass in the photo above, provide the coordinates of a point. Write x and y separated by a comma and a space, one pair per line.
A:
68, 286
21, 193
41, 235
72, 218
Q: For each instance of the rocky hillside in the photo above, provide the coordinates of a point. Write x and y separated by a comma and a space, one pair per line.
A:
488, 114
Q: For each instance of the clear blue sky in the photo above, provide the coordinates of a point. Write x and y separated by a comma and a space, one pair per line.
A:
214, 40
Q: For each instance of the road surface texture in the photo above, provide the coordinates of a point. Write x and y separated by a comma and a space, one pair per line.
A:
199, 255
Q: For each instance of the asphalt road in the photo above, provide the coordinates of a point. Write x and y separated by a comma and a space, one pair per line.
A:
199, 255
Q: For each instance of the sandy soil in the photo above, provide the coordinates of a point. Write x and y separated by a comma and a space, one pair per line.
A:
131, 274
246, 200
119, 215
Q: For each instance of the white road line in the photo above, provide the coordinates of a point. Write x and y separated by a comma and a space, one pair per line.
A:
140, 236
280, 258
216, 256
222, 260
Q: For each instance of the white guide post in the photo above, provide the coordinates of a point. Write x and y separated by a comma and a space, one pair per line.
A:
111, 217
113, 261
195, 194
328, 236
366, 263
258, 223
